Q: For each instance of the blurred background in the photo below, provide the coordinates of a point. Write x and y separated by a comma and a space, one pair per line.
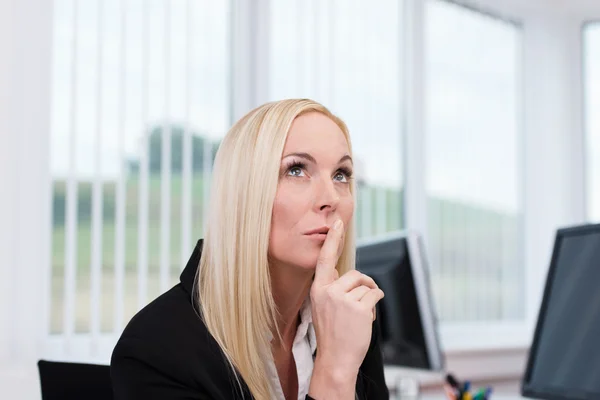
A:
476, 123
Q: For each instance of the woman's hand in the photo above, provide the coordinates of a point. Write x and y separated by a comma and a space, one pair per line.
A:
343, 313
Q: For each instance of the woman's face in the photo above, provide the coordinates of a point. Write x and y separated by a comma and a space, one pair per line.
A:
313, 190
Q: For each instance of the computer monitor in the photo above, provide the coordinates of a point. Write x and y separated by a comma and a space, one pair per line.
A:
564, 359
406, 314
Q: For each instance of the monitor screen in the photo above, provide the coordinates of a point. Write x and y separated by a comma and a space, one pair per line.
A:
406, 314
564, 360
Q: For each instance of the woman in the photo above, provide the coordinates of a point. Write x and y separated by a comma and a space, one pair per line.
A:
270, 305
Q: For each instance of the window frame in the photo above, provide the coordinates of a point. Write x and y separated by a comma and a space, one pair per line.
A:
245, 21
482, 335
584, 117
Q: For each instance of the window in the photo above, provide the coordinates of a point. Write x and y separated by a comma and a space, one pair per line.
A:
473, 164
140, 100
347, 56
141, 96
591, 50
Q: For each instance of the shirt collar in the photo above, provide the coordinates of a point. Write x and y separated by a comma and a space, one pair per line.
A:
306, 327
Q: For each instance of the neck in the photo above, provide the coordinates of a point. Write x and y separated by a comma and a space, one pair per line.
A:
290, 286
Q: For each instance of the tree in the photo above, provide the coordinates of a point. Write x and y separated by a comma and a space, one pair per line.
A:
198, 142
177, 133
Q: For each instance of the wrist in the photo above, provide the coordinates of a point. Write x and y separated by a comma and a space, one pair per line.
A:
332, 380
335, 370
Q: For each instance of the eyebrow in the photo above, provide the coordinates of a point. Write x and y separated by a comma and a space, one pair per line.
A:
310, 158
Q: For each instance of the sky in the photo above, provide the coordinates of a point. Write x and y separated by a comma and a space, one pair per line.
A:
354, 65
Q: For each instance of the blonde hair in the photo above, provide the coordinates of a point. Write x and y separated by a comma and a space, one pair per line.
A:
233, 283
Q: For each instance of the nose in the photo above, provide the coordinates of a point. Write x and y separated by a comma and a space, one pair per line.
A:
326, 195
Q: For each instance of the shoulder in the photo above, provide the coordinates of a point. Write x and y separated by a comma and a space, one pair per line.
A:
169, 339
168, 317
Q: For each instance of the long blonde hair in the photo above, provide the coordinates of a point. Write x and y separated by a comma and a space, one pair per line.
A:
233, 283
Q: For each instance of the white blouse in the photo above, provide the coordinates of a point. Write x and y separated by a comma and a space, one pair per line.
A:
305, 344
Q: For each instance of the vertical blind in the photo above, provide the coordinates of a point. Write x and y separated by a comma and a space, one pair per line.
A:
140, 101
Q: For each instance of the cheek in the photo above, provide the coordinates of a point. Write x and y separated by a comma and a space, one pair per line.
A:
288, 208
346, 209
287, 212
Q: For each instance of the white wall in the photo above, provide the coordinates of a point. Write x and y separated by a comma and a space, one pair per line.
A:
25, 37
554, 183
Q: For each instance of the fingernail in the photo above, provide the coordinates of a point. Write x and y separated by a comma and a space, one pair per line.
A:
337, 225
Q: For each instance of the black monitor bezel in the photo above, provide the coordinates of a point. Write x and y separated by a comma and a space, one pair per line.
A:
420, 269
527, 389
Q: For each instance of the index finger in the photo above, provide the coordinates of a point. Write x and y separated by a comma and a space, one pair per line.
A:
328, 257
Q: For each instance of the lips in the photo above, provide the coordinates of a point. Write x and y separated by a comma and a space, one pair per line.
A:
318, 231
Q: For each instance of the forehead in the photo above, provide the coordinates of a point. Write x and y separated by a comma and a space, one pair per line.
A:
315, 132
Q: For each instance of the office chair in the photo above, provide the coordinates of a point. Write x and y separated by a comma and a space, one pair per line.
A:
74, 381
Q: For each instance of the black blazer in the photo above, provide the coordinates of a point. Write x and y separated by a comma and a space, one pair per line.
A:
166, 352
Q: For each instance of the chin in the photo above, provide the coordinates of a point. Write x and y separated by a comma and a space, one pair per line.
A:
309, 265
305, 261
301, 256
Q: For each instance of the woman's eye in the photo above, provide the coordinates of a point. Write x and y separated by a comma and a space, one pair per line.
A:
295, 171
340, 177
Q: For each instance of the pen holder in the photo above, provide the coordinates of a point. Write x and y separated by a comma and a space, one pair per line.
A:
456, 390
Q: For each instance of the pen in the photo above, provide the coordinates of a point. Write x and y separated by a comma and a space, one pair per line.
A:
466, 386
450, 392
464, 392
488, 393
480, 395
455, 386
